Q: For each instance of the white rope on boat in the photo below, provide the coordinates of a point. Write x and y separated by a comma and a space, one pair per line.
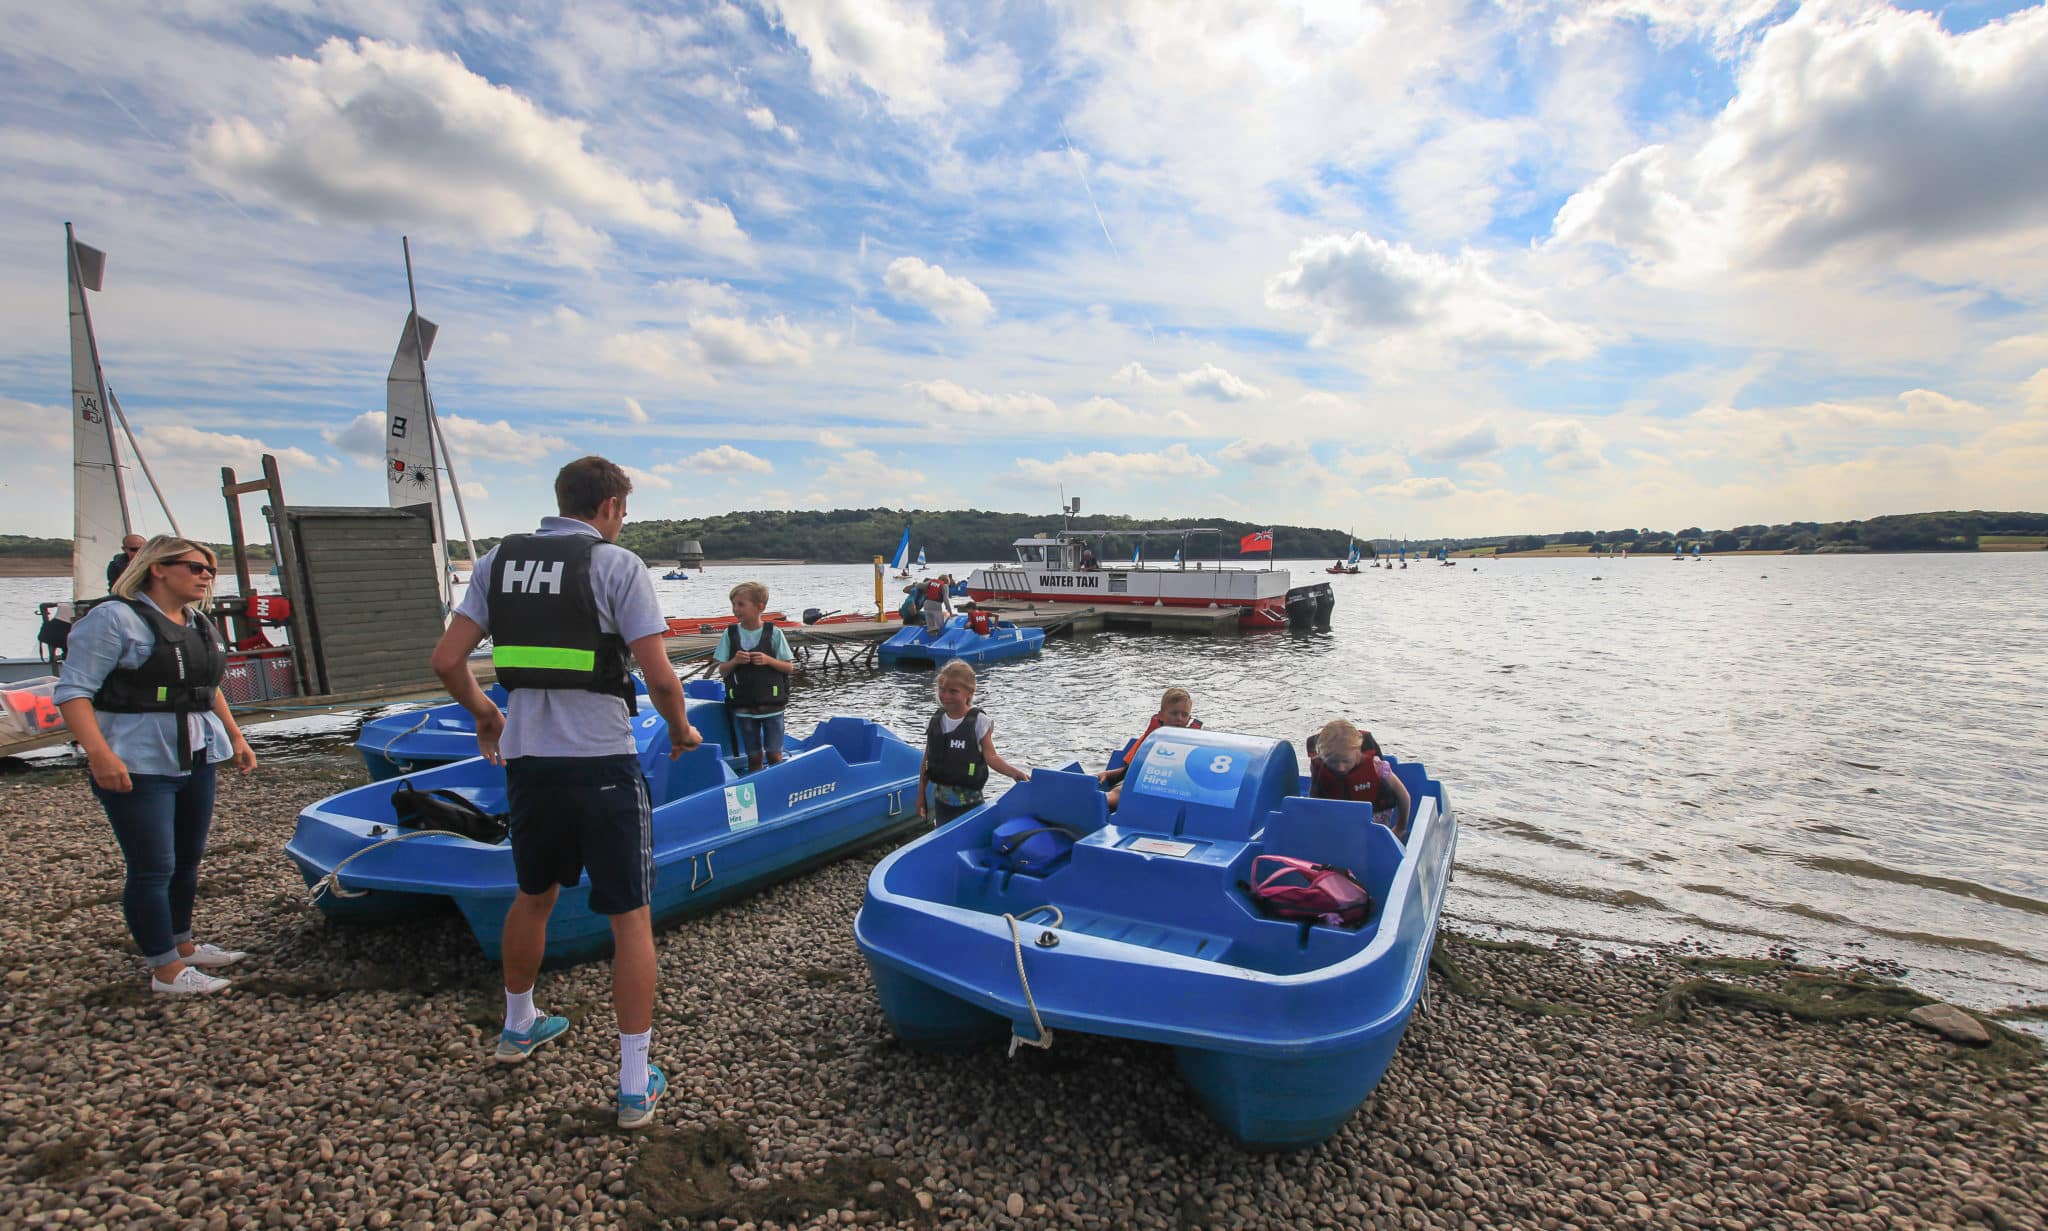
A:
385, 751
331, 883
1044, 1039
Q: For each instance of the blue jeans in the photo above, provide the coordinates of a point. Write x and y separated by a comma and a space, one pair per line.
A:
760, 738
161, 824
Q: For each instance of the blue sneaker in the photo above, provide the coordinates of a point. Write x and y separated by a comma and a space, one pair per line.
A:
515, 1047
637, 1110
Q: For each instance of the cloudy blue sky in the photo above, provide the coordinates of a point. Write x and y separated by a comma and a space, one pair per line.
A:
1414, 268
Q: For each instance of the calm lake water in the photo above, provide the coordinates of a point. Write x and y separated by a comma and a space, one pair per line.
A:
1840, 754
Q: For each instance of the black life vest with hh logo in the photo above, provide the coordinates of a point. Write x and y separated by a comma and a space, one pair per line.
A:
544, 626
755, 690
184, 667
953, 758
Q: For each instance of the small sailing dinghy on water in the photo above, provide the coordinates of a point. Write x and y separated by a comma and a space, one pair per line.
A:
718, 833
901, 560
1041, 912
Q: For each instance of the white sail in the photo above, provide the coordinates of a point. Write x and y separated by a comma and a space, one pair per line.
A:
409, 469
99, 503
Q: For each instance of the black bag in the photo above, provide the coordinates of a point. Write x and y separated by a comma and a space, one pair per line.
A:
445, 810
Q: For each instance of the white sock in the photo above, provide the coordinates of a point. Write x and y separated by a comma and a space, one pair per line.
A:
633, 1062
519, 1011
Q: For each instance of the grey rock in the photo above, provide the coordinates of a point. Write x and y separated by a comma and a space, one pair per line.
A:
1950, 1023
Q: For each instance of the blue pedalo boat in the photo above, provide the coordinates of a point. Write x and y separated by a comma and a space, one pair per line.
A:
1143, 929
395, 744
956, 640
718, 834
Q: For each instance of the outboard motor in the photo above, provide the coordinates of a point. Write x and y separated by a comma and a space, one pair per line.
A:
813, 614
1310, 606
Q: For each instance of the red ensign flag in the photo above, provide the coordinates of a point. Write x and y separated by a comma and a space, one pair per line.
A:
1256, 542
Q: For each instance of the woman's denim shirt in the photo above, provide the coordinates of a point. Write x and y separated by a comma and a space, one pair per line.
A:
112, 636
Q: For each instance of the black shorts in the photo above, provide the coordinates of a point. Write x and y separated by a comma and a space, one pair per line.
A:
571, 814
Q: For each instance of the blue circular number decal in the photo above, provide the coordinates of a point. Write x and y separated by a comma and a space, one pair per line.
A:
1213, 770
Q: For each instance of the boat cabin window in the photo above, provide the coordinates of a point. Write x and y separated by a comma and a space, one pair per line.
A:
1031, 555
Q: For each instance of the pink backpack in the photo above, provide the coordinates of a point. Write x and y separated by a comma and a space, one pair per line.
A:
1311, 892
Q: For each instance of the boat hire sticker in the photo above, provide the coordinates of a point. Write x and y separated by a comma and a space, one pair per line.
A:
742, 807
1180, 768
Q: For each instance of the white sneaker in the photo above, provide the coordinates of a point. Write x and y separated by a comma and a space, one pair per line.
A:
212, 955
191, 981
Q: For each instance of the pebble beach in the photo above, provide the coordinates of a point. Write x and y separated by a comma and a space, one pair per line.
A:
345, 1082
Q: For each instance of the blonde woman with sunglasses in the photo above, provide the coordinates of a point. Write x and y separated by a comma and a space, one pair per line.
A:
140, 692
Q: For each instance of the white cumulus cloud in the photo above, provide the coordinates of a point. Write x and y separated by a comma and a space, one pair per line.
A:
1210, 381
1172, 462
176, 443
952, 299
893, 49
723, 459
387, 135
1475, 439
1262, 451
1852, 126
1433, 487
735, 340
1362, 287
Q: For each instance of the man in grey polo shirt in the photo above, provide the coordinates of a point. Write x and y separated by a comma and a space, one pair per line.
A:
568, 611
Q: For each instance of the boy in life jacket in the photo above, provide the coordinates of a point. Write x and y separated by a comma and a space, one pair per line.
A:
1344, 763
755, 661
1176, 709
938, 604
959, 749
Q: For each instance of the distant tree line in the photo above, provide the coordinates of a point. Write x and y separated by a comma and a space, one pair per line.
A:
1949, 531
20, 545
856, 535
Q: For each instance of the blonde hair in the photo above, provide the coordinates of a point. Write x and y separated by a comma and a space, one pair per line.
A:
956, 672
1172, 695
1338, 738
750, 589
162, 549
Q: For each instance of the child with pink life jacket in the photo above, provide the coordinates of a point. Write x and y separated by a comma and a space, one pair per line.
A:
1345, 763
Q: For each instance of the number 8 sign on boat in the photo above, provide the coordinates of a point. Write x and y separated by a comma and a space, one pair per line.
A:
1182, 765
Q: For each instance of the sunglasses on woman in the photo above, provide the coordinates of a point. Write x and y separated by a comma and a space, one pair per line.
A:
198, 569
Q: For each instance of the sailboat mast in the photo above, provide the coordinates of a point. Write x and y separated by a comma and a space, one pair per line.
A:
95, 459
142, 460
437, 444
